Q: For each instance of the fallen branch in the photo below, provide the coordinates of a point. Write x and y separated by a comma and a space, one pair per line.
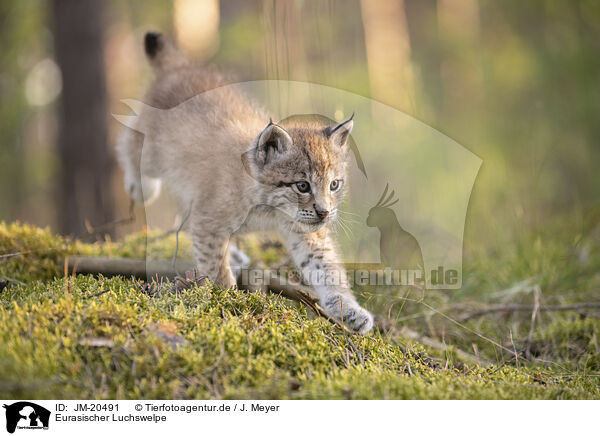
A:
530, 308
126, 267
276, 286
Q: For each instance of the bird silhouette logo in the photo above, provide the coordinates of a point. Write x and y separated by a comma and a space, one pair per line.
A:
398, 249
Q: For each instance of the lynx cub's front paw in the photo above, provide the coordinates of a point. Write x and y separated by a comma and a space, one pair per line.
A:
351, 314
358, 319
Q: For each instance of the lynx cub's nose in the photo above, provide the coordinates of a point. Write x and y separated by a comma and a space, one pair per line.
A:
321, 213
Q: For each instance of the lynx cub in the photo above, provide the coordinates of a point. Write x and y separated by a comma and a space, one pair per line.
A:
241, 172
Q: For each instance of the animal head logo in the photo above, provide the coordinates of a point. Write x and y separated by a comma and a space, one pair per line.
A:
24, 414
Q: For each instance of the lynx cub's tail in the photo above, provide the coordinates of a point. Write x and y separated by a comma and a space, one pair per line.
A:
163, 56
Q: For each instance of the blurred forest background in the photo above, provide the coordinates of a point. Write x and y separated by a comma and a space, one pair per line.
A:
517, 83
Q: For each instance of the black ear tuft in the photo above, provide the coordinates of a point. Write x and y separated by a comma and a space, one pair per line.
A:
339, 133
152, 43
342, 124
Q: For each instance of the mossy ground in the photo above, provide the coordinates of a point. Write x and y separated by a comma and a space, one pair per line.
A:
59, 339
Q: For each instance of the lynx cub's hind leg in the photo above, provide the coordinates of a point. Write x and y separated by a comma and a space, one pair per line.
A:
142, 189
212, 258
211, 250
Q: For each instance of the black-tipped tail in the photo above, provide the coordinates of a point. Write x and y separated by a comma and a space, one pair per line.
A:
153, 42
161, 53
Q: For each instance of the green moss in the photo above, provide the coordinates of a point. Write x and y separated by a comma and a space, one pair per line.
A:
58, 342
572, 341
29, 252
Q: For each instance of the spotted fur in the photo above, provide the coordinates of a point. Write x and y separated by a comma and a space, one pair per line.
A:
242, 172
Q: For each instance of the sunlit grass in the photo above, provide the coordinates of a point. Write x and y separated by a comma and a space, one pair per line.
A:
59, 340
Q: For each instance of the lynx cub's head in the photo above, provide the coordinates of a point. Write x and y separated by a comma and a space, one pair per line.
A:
301, 166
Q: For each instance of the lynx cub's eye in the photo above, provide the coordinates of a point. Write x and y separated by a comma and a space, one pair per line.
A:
302, 187
335, 185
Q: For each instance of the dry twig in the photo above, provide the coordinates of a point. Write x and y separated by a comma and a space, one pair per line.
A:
536, 306
529, 308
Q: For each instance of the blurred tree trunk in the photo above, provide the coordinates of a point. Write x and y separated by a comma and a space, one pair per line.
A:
462, 74
421, 16
388, 53
285, 54
86, 163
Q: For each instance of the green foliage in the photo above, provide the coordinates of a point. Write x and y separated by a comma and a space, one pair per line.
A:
516, 84
59, 339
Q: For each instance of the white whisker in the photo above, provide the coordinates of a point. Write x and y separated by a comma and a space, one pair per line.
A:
344, 227
349, 213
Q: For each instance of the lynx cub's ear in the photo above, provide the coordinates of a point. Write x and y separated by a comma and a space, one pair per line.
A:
339, 134
272, 142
